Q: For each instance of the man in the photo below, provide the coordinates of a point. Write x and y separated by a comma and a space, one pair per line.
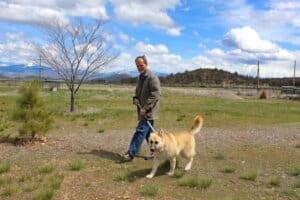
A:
146, 99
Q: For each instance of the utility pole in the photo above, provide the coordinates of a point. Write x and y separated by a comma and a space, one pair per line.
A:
294, 78
257, 76
40, 68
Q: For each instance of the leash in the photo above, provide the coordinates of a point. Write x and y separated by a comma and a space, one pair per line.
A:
149, 124
151, 127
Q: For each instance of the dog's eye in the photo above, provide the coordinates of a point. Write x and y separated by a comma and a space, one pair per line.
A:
156, 142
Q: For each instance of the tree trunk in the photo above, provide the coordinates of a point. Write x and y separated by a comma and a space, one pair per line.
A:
72, 106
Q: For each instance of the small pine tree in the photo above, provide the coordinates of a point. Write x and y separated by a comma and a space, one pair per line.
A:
31, 111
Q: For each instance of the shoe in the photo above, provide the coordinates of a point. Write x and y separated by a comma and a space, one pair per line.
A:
127, 157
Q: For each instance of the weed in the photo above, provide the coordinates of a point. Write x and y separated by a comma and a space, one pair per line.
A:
123, 176
47, 168
297, 146
228, 170
251, 176
178, 173
295, 171
149, 190
220, 156
46, 193
180, 118
4, 167
56, 180
24, 177
292, 193
76, 165
274, 181
4, 180
297, 184
101, 130
9, 191
30, 187
195, 182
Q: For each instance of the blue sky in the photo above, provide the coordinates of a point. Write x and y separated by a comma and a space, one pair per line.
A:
175, 35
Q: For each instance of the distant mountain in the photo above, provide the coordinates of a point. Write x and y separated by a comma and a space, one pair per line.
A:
3, 77
21, 70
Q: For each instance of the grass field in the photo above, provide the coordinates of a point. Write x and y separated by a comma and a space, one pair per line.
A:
249, 149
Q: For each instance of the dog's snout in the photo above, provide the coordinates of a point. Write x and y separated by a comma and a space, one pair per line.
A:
152, 150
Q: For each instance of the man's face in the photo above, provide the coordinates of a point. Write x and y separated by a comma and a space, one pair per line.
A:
141, 66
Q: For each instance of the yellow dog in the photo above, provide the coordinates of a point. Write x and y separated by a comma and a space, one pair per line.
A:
166, 145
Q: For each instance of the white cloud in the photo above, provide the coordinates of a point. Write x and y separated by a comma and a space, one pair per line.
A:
248, 40
143, 48
278, 20
285, 5
148, 12
16, 49
40, 11
249, 47
216, 52
124, 37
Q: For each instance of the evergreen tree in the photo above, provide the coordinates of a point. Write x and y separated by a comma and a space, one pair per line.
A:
31, 111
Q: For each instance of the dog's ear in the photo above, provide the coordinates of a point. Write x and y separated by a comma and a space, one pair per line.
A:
160, 132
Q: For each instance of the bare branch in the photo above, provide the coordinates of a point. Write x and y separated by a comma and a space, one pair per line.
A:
76, 51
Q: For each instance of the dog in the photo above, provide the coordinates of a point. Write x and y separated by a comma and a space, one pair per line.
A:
170, 145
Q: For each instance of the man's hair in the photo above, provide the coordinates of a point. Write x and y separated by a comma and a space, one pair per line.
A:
142, 57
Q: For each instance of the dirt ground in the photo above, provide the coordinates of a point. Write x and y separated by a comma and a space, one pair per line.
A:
270, 151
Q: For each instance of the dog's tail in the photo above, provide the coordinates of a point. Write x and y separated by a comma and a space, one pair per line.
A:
198, 122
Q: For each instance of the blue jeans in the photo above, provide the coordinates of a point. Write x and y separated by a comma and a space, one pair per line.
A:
142, 132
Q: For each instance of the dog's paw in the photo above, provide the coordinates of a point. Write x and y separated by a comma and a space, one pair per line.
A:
149, 176
170, 173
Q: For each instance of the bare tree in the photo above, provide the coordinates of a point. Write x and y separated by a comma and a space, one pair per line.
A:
76, 51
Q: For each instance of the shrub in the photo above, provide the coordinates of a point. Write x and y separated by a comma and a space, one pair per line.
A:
195, 182
228, 170
4, 180
220, 156
123, 176
101, 130
31, 111
149, 190
9, 191
56, 180
30, 187
76, 165
297, 183
46, 193
178, 173
4, 167
274, 181
249, 176
47, 168
295, 171
292, 193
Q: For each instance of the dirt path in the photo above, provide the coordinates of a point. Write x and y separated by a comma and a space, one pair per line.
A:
264, 148
117, 141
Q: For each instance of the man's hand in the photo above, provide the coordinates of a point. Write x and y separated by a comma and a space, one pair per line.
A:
142, 112
135, 101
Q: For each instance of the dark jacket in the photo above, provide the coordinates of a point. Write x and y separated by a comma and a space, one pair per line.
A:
148, 92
